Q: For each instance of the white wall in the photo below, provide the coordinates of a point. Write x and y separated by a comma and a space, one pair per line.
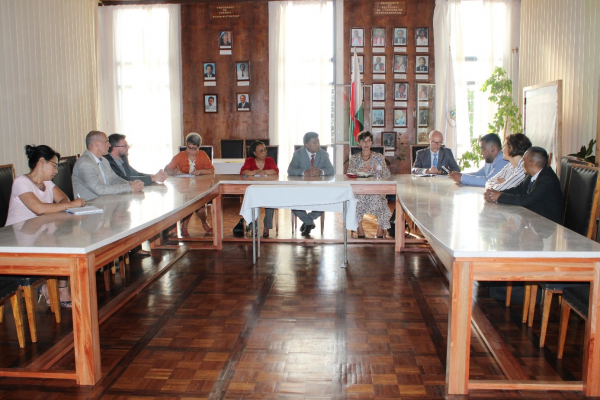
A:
48, 79
559, 40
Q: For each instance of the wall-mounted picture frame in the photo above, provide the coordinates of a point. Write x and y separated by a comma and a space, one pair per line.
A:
210, 103
357, 37
243, 101
423, 91
378, 117
379, 64
400, 91
423, 115
422, 37
361, 64
422, 64
400, 64
242, 70
378, 93
210, 71
400, 117
378, 37
225, 39
389, 140
423, 136
400, 36
376, 138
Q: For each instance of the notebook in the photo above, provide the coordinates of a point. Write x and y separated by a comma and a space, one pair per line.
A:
85, 210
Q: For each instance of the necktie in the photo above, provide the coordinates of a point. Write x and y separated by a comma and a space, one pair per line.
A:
312, 160
530, 185
435, 160
102, 171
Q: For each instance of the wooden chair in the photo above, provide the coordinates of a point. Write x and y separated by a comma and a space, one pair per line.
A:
576, 298
9, 290
232, 148
565, 167
63, 177
413, 152
7, 176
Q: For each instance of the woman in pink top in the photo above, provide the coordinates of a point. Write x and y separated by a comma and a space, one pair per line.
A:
34, 194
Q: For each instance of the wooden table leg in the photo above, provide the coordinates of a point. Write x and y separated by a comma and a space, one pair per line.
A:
459, 329
400, 221
86, 337
591, 350
217, 212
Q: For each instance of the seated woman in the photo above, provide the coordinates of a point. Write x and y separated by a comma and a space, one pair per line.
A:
373, 204
258, 164
192, 161
513, 173
35, 194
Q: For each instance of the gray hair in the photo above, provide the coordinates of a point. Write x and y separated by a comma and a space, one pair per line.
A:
194, 138
92, 137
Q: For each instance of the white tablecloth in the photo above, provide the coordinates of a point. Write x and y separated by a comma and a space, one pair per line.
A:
228, 166
317, 197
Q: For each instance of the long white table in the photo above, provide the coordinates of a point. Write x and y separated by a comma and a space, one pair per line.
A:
479, 241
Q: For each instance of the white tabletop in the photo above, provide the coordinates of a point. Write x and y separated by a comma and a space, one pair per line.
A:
228, 165
457, 219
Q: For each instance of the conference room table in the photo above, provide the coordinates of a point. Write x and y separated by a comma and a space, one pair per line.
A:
479, 241
61, 244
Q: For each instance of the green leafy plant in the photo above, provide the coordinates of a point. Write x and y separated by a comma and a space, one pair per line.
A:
587, 153
507, 116
472, 156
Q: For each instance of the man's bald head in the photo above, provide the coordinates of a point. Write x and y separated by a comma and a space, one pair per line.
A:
534, 160
436, 135
435, 141
92, 137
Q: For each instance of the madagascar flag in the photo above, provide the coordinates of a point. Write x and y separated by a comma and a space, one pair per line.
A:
356, 102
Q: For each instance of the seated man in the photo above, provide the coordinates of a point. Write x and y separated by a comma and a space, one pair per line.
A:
92, 175
310, 160
117, 158
432, 159
491, 150
539, 192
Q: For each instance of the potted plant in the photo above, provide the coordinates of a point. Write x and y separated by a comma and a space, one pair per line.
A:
507, 117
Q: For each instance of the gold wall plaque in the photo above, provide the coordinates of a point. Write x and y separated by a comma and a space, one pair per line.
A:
389, 8
224, 11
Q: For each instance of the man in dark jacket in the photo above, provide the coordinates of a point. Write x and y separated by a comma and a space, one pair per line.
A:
539, 192
117, 158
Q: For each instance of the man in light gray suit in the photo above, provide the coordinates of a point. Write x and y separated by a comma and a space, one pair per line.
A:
92, 174
432, 159
310, 160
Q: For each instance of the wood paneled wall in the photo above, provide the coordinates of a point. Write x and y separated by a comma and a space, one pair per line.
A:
359, 14
199, 44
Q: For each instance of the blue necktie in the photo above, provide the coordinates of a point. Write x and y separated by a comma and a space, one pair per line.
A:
435, 160
530, 185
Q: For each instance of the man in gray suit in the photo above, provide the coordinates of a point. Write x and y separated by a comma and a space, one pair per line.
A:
92, 174
432, 159
310, 160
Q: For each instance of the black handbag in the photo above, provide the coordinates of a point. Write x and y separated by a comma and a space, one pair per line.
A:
238, 230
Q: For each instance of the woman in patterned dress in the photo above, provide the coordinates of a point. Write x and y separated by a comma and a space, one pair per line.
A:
373, 204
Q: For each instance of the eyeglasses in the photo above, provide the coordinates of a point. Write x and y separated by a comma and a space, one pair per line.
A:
192, 148
123, 145
440, 143
55, 165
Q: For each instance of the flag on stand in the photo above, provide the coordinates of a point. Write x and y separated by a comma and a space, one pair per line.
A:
450, 108
356, 102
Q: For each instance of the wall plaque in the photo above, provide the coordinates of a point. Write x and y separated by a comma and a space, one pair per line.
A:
389, 8
224, 11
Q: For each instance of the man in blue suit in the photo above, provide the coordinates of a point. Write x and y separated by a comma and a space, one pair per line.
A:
432, 159
491, 150
310, 160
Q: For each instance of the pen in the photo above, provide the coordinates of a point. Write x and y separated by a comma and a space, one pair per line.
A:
78, 196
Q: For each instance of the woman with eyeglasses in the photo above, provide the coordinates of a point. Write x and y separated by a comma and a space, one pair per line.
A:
195, 162
35, 194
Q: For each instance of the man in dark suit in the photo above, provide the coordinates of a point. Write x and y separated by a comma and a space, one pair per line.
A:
432, 159
243, 103
209, 71
310, 161
539, 192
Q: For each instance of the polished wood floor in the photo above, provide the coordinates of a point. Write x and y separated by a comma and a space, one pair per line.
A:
295, 326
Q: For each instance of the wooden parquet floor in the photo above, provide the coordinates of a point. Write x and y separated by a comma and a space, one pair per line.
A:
295, 326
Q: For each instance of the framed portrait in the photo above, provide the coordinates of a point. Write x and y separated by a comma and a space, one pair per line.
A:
357, 37
378, 37
379, 64
378, 92
400, 64
423, 136
378, 117
422, 64
389, 140
400, 117
425, 91
422, 36
423, 117
400, 91
400, 35
243, 101
210, 71
360, 64
242, 70
376, 138
225, 39
210, 103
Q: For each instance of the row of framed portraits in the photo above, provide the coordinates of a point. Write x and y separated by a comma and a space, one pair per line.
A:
425, 91
399, 64
242, 71
211, 102
400, 117
378, 37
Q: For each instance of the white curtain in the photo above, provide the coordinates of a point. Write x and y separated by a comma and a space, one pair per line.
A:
300, 73
140, 80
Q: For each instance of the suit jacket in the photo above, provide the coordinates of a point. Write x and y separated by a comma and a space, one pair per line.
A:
88, 182
445, 159
398, 40
544, 197
422, 68
243, 105
480, 177
130, 173
301, 162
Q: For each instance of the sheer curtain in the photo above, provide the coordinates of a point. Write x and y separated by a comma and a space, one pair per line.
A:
140, 85
300, 73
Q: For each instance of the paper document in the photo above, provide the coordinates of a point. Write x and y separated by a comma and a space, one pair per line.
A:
85, 210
